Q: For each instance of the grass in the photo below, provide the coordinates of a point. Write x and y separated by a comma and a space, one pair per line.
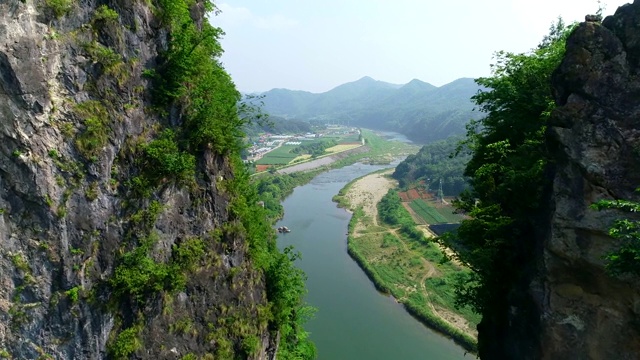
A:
399, 270
410, 270
426, 212
443, 214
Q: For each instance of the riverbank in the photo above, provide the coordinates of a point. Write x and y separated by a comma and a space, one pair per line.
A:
343, 327
376, 150
273, 188
408, 269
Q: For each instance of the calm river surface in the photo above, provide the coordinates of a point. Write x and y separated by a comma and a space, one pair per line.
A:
353, 321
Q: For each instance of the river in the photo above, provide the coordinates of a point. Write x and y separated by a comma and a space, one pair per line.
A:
354, 321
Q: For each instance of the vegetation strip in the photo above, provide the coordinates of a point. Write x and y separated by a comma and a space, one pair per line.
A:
400, 261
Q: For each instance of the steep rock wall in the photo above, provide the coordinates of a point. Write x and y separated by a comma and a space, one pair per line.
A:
67, 214
594, 135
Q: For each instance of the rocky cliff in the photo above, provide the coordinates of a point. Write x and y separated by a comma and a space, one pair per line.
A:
122, 217
586, 313
574, 308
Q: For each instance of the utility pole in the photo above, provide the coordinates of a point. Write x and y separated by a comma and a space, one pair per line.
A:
441, 193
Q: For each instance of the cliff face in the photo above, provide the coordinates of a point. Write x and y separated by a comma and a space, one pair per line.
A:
583, 312
88, 267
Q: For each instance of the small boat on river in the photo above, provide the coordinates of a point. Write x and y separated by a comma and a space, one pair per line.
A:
283, 229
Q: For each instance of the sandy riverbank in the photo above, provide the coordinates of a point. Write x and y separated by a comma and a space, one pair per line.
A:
369, 190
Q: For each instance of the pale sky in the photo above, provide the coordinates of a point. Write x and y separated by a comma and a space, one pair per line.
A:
318, 45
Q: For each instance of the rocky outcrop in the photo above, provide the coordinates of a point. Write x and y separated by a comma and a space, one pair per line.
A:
67, 214
594, 135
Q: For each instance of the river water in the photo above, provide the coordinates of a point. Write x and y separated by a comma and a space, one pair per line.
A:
354, 321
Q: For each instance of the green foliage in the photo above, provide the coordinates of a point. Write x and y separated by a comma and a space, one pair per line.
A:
188, 254
250, 345
189, 77
105, 14
138, 275
20, 263
190, 84
315, 148
4, 354
625, 259
278, 125
146, 218
508, 156
433, 162
59, 8
273, 189
391, 210
284, 281
163, 160
95, 135
127, 342
91, 192
73, 294
103, 55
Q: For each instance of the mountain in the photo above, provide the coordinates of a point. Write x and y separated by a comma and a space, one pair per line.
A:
128, 229
421, 111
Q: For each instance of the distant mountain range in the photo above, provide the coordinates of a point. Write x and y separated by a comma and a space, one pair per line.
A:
419, 110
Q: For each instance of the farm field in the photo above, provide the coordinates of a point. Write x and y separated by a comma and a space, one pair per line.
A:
278, 156
342, 147
413, 194
283, 155
301, 158
433, 213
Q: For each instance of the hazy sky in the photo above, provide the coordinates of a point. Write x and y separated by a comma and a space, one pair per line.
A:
317, 45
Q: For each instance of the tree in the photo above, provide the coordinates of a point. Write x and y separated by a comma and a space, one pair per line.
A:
508, 156
626, 259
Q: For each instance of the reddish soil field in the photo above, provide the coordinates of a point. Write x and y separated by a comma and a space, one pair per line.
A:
260, 168
413, 194
403, 196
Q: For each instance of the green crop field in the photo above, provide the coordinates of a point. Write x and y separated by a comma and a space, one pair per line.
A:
279, 156
426, 212
432, 215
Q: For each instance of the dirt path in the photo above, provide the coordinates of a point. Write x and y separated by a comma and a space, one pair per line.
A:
366, 193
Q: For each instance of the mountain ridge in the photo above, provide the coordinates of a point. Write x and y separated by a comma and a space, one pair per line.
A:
418, 109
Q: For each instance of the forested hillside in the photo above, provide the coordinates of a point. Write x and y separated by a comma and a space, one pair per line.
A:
417, 109
277, 125
435, 162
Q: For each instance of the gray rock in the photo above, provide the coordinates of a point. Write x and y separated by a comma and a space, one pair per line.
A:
55, 238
